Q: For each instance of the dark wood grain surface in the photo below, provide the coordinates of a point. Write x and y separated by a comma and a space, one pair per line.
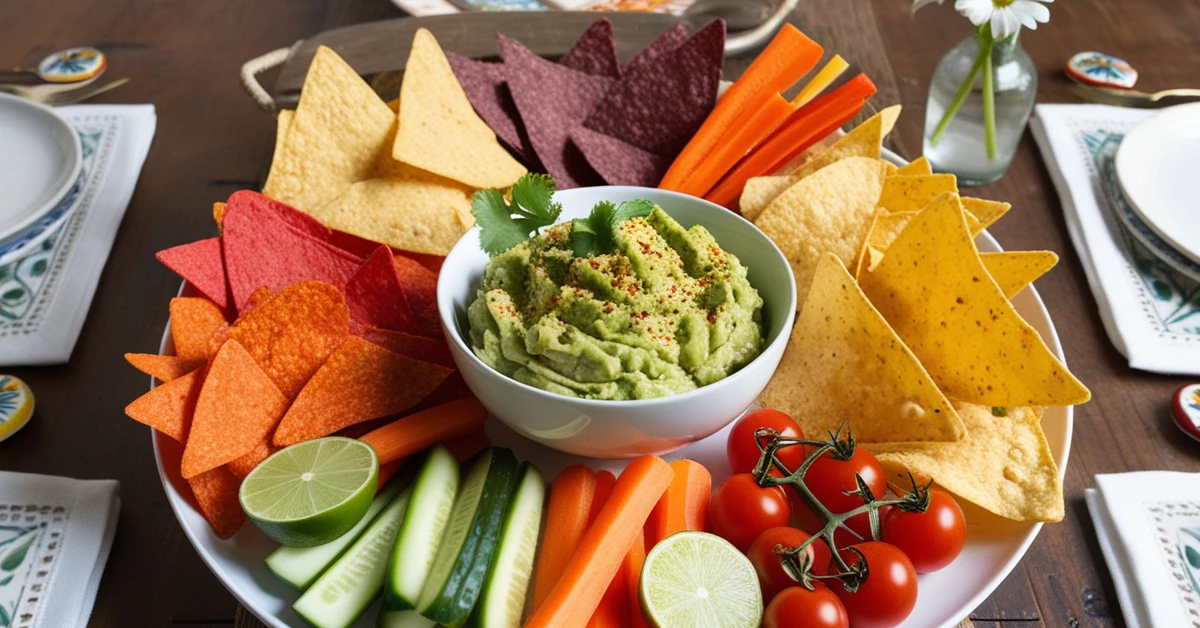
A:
184, 58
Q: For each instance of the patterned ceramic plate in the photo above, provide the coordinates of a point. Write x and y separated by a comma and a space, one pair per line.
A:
46, 226
40, 161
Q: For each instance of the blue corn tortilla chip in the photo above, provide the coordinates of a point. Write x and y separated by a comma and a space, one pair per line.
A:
666, 41
488, 92
619, 162
552, 100
595, 52
659, 105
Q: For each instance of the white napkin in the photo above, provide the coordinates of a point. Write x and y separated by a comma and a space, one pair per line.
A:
1148, 525
45, 296
1150, 310
55, 535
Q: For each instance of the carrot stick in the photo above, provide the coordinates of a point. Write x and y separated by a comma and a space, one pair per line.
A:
740, 141
685, 504
631, 570
406, 436
805, 127
788, 57
611, 612
468, 445
386, 471
605, 481
566, 521
602, 550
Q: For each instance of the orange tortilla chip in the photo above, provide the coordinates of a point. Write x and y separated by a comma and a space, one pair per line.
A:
238, 407
216, 494
164, 368
292, 334
194, 320
260, 295
169, 408
409, 345
242, 466
360, 382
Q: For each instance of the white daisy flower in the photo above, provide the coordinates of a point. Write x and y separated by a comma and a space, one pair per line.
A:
1006, 16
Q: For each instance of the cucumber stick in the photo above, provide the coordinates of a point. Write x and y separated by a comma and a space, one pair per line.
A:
503, 599
421, 533
404, 619
349, 586
300, 566
471, 537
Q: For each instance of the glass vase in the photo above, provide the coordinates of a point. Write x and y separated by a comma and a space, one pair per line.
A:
961, 148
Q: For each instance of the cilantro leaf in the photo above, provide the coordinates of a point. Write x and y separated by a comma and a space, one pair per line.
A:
583, 238
596, 234
503, 226
639, 208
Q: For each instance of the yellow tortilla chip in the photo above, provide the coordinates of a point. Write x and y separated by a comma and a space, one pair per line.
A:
919, 165
889, 168
283, 121
409, 214
826, 212
1003, 465
334, 138
439, 130
394, 105
936, 293
1013, 270
843, 362
760, 191
912, 192
986, 212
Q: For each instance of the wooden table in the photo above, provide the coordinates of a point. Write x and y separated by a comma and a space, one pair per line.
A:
184, 57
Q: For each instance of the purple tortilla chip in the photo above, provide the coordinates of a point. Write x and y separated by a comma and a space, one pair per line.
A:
485, 87
595, 52
659, 106
666, 41
552, 99
619, 162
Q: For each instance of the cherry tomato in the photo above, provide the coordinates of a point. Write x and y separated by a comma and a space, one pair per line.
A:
740, 510
831, 479
931, 539
888, 594
797, 607
771, 575
743, 451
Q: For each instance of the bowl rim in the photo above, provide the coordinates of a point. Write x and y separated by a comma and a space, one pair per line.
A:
446, 313
67, 179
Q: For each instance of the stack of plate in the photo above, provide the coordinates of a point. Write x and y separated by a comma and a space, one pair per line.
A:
41, 171
1157, 176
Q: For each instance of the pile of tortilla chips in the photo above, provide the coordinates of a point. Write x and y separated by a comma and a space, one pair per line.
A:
906, 330
301, 332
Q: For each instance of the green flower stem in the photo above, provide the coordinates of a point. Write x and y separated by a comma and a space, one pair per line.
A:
989, 100
963, 90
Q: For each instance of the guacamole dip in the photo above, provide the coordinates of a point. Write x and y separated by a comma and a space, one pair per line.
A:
666, 311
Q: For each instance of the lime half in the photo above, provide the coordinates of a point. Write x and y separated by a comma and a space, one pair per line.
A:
699, 580
312, 492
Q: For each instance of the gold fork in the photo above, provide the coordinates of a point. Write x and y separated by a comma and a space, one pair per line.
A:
57, 95
1133, 97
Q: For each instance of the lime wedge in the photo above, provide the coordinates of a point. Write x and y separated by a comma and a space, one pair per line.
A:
312, 492
699, 580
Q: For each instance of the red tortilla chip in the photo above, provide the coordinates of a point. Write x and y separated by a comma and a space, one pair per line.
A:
169, 408
357, 246
432, 262
242, 466
283, 212
595, 52
292, 334
360, 382
262, 249
375, 295
420, 287
619, 162
164, 368
666, 41
238, 407
485, 87
194, 320
408, 345
216, 494
552, 100
202, 264
659, 106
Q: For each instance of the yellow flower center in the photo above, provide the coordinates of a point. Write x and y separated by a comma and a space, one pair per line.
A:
1000, 4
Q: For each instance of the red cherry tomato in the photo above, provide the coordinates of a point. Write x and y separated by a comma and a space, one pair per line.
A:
740, 510
831, 479
888, 594
797, 607
931, 539
743, 451
771, 575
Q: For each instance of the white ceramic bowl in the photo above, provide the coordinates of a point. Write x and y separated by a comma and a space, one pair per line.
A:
622, 429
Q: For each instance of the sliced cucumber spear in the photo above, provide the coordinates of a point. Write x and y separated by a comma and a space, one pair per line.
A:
421, 533
349, 586
300, 566
503, 600
404, 619
470, 540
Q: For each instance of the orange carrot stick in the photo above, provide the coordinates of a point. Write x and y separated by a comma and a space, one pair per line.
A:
740, 141
631, 570
605, 481
611, 612
386, 471
603, 548
805, 127
571, 496
406, 436
685, 504
788, 57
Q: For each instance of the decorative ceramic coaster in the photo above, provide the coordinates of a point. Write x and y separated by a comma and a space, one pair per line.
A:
1185, 411
1097, 68
16, 405
71, 65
